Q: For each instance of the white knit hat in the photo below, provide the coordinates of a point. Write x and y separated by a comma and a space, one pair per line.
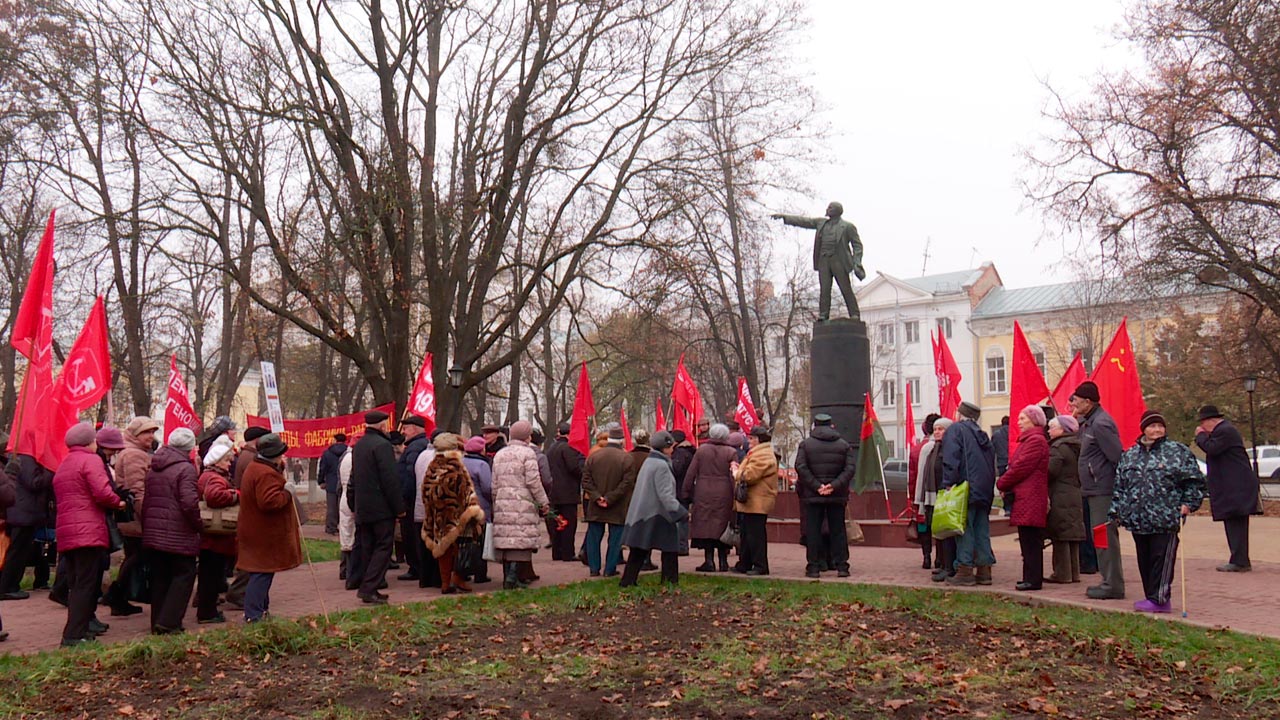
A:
217, 451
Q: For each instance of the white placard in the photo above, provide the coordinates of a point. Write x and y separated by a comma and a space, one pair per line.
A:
272, 390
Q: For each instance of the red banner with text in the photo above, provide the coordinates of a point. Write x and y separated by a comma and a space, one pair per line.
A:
310, 438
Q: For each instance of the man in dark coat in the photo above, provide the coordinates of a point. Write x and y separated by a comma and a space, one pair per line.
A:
825, 464
328, 479
1100, 451
607, 481
566, 491
1000, 441
414, 429
967, 456
681, 459
376, 501
30, 512
1233, 485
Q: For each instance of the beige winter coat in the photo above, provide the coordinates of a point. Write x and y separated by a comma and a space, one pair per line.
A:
131, 466
518, 497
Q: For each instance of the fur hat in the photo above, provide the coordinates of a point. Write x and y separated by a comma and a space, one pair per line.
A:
719, 431
969, 410
216, 453
80, 435
761, 432
521, 430
1087, 390
445, 442
640, 436
182, 440
1035, 414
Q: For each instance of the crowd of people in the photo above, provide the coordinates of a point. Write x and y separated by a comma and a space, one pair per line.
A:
212, 520
1070, 482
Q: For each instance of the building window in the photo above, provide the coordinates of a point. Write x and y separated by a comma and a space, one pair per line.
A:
893, 450
911, 331
996, 381
802, 345
888, 393
780, 345
1037, 352
1081, 347
886, 335
913, 384
944, 327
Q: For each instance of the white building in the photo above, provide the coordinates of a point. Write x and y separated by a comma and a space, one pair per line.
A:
900, 315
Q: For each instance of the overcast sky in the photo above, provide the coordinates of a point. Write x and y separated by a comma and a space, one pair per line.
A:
930, 104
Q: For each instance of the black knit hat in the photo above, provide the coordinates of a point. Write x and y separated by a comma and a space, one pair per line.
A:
254, 433
1151, 417
1087, 390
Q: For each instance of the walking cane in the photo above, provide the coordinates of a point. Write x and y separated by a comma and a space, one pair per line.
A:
1182, 570
302, 541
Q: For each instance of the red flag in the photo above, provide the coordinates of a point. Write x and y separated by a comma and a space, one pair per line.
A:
685, 392
680, 421
86, 375
1071, 380
660, 423
177, 409
36, 413
422, 401
584, 408
911, 418
33, 325
1119, 387
745, 414
627, 442
1026, 382
948, 373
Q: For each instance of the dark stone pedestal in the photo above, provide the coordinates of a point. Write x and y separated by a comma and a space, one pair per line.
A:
840, 368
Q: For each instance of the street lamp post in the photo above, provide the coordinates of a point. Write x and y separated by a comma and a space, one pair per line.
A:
455, 382
1250, 385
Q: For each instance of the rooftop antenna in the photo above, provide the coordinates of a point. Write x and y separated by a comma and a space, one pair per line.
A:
972, 255
924, 266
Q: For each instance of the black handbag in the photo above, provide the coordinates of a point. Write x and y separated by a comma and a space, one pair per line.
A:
470, 557
115, 540
127, 514
740, 491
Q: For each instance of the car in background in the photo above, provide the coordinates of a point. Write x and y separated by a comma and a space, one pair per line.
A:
895, 474
1268, 461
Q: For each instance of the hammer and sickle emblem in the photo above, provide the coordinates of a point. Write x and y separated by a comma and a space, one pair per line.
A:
1117, 361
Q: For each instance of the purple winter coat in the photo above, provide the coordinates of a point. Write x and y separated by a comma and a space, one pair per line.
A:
171, 506
84, 495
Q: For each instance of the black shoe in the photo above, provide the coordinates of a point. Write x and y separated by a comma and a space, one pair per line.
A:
615, 573
342, 575
648, 567
125, 610
75, 642
373, 599
4, 635
939, 575
215, 620
382, 585
60, 599
1024, 586
705, 567
582, 557
740, 570
40, 587
757, 573
20, 595
1097, 592
928, 563
1232, 567
482, 580
842, 573
407, 576
97, 627
814, 574
595, 573
162, 630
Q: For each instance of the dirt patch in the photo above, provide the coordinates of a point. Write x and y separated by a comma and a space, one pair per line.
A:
677, 655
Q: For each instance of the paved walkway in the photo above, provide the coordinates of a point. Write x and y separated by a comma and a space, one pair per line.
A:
1247, 602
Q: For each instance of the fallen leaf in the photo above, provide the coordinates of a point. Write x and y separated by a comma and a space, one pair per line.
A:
125, 710
660, 704
611, 699
896, 704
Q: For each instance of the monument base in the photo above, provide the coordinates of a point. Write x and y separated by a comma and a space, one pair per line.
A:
840, 374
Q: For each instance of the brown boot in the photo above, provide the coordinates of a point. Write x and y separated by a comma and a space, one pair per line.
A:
963, 577
460, 583
446, 571
984, 575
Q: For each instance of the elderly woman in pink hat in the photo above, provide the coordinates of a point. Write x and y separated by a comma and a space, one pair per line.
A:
1027, 478
84, 495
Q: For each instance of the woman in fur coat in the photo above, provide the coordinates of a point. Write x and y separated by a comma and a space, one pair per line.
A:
452, 510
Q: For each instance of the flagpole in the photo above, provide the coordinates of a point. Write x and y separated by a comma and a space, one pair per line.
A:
884, 484
17, 422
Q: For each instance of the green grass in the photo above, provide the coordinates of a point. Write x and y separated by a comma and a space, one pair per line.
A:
322, 550
1242, 666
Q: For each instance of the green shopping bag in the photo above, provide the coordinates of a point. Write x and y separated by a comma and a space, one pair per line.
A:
950, 511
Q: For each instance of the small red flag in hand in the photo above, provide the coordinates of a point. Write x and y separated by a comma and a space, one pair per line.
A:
1100, 536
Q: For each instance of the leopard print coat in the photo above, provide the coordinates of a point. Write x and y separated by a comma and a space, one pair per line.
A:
452, 510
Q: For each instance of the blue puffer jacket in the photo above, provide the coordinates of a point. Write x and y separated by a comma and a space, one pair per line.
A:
1152, 483
968, 456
